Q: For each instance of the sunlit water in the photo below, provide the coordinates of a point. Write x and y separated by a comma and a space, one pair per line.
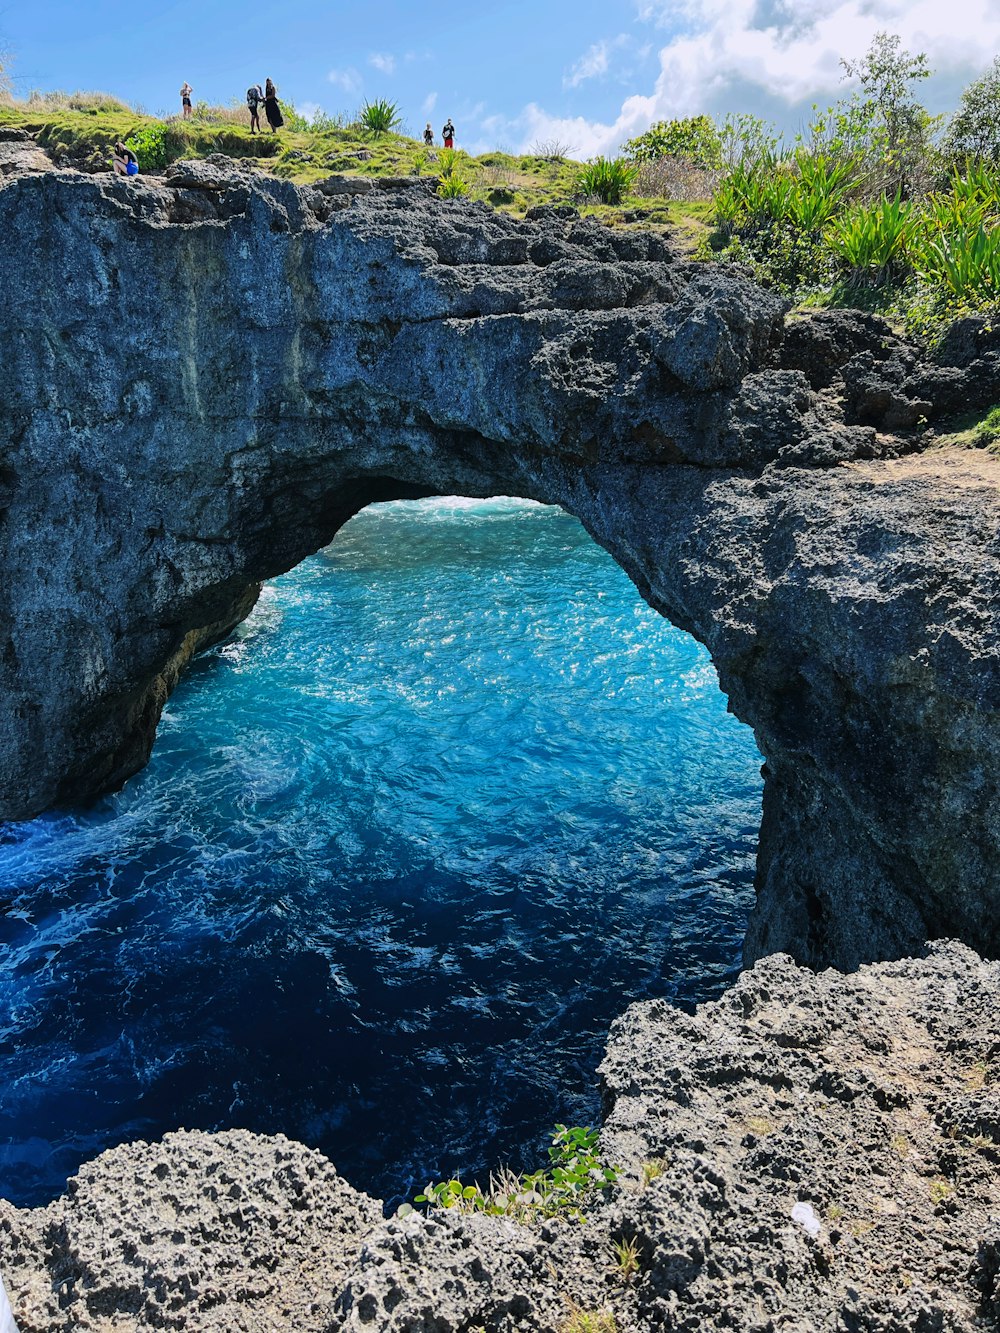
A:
451, 798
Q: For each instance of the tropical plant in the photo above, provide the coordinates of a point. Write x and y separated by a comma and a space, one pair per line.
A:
872, 239
574, 1172
607, 179
380, 117
966, 263
452, 186
694, 139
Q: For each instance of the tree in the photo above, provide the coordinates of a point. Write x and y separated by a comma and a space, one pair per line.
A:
885, 120
694, 139
974, 131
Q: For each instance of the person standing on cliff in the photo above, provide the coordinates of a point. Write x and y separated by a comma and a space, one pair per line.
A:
271, 108
448, 134
186, 92
429, 136
255, 95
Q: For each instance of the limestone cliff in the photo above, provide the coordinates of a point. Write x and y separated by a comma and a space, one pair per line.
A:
821, 1154
204, 376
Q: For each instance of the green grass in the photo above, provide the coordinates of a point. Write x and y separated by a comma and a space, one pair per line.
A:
972, 430
79, 130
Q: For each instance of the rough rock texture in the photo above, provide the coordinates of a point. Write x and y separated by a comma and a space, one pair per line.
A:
826, 1154
204, 376
873, 1098
200, 1232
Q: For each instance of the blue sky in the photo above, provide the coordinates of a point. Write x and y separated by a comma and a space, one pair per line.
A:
588, 72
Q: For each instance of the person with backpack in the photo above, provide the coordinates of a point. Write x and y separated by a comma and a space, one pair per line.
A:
271, 108
255, 95
429, 136
124, 162
448, 134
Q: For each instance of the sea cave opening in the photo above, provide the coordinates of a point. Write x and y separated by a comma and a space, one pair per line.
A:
447, 802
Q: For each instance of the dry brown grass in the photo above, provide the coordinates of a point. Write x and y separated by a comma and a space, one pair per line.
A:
671, 178
78, 101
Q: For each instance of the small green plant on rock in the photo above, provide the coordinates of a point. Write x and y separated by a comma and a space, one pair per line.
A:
940, 1190
650, 1171
625, 1253
588, 1321
574, 1172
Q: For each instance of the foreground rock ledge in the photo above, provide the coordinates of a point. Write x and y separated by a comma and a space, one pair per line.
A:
874, 1099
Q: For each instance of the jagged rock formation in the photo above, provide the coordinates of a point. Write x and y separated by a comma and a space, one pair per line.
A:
821, 1153
204, 376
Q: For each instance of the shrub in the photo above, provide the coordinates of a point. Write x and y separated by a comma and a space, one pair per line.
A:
672, 178
553, 150
294, 120
324, 123
748, 141
607, 179
380, 117
694, 140
986, 433
151, 146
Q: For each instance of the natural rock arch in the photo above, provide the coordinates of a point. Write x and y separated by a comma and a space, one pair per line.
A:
204, 378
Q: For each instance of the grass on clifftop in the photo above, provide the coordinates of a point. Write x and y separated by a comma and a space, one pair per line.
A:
79, 131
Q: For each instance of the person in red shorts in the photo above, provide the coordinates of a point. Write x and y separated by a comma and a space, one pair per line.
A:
448, 134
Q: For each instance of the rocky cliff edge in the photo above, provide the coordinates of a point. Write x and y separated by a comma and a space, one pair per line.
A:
811, 1154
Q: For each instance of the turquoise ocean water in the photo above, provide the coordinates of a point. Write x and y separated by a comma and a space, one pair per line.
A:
447, 802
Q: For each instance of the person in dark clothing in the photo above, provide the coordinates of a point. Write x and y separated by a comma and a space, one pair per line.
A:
271, 108
124, 162
429, 136
448, 134
255, 95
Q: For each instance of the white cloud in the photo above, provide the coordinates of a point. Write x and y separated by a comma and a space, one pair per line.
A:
771, 57
383, 62
347, 79
430, 102
596, 61
309, 109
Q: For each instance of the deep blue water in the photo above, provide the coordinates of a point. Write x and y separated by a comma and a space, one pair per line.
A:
450, 799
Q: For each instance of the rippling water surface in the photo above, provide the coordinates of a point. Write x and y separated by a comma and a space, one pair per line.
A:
451, 798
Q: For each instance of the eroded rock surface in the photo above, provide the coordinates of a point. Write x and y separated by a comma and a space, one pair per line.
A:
204, 376
202, 1232
810, 1153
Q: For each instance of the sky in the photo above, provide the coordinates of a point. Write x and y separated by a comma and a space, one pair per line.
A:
588, 73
